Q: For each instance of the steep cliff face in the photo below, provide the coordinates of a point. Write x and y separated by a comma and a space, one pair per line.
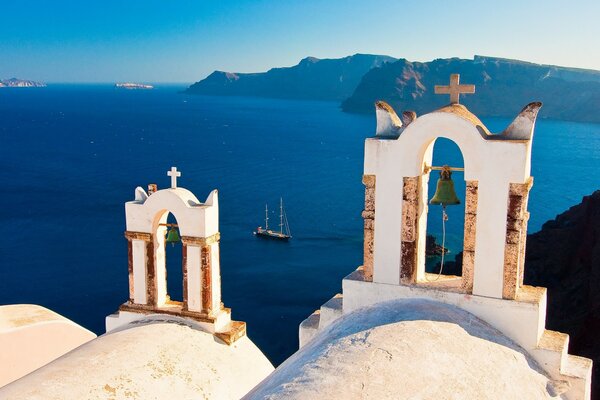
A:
312, 78
503, 87
565, 257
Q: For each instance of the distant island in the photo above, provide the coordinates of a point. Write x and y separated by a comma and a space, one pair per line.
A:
15, 82
129, 85
503, 86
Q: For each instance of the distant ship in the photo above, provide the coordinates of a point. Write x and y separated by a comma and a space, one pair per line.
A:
129, 85
284, 228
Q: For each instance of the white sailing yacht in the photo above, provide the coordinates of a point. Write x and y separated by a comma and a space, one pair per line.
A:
284, 228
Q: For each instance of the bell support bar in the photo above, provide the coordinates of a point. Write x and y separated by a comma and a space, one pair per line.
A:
433, 168
169, 225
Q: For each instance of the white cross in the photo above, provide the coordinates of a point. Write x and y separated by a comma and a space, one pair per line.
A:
454, 89
173, 173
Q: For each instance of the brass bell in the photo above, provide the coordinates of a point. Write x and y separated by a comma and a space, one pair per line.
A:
444, 192
173, 236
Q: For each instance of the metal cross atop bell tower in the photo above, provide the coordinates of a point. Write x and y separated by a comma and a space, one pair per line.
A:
454, 89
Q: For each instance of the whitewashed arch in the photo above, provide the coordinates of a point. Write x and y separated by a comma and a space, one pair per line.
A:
198, 226
493, 161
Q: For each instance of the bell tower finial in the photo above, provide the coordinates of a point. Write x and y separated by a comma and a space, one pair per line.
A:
455, 89
174, 174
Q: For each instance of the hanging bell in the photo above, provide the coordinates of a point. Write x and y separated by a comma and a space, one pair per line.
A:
444, 192
173, 236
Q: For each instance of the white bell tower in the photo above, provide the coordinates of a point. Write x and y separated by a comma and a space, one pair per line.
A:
198, 225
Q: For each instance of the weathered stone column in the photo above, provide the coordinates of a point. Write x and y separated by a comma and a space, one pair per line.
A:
205, 268
410, 210
201, 281
368, 215
140, 251
468, 262
516, 236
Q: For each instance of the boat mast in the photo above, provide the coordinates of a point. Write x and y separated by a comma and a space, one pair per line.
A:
287, 224
281, 215
266, 217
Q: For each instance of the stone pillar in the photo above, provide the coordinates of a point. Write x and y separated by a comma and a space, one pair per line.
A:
152, 294
368, 215
468, 262
516, 236
205, 268
522, 249
140, 251
410, 210
201, 276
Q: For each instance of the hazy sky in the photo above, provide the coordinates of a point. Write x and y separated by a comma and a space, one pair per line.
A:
183, 41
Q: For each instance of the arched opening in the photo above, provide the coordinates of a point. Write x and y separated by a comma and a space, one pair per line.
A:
168, 261
444, 239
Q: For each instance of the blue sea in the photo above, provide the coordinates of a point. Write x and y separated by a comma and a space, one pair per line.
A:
72, 155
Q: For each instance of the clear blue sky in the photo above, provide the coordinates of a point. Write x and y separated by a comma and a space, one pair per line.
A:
183, 41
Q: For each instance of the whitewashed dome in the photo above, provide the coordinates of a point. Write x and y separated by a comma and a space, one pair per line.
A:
408, 349
159, 357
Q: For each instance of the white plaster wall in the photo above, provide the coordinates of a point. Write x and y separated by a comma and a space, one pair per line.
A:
494, 164
523, 322
215, 276
194, 278
422, 220
138, 248
193, 217
32, 336
490, 239
160, 262
388, 222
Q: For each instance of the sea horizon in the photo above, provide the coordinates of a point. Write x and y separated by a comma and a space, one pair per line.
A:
72, 158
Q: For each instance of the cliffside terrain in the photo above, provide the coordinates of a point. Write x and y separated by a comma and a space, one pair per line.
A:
565, 257
312, 78
503, 87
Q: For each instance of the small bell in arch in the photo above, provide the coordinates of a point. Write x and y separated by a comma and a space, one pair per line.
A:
445, 195
173, 236
444, 192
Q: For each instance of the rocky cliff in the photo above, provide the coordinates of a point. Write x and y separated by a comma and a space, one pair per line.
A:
565, 258
312, 78
503, 87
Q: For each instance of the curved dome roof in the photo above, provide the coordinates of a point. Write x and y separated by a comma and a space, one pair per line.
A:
408, 349
159, 357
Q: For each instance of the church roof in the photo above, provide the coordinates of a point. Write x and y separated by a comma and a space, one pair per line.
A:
162, 357
408, 349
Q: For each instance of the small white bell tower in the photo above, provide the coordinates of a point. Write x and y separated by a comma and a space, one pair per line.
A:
198, 225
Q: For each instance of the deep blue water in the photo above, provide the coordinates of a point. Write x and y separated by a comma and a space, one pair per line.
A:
70, 156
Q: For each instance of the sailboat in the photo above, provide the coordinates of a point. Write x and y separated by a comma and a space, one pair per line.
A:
284, 228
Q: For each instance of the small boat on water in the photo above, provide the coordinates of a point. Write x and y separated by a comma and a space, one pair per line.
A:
284, 228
